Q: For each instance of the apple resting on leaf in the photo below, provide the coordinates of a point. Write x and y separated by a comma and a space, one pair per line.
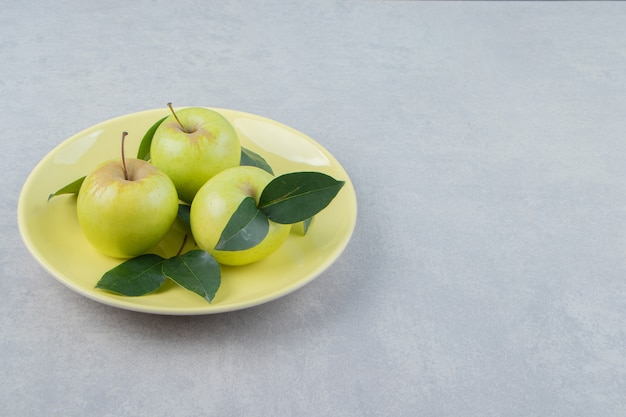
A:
126, 207
192, 145
214, 206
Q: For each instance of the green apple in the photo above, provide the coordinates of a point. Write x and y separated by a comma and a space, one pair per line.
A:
126, 207
192, 145
214, 205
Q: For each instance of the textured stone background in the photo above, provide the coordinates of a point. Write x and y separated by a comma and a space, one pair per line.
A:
486, 142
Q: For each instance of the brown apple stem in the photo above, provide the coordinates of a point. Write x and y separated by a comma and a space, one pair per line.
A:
124, 134
182, 246
176, 117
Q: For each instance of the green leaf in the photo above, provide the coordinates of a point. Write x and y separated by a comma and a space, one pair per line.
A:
184, 214
144, 146
71, 188
297, 196
250, 158
134, 277
195, 271
246, 228
306, 224
301, 228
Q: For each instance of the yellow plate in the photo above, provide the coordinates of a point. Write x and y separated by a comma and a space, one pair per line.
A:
51, 232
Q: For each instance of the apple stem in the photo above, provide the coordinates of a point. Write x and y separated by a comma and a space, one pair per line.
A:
176, 117
124, 134
182, 246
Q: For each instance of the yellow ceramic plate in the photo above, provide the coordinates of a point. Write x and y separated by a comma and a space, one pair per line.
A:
51, 232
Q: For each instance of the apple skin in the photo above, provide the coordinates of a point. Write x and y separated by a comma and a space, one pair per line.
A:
208, 145
216, 202
124, 218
